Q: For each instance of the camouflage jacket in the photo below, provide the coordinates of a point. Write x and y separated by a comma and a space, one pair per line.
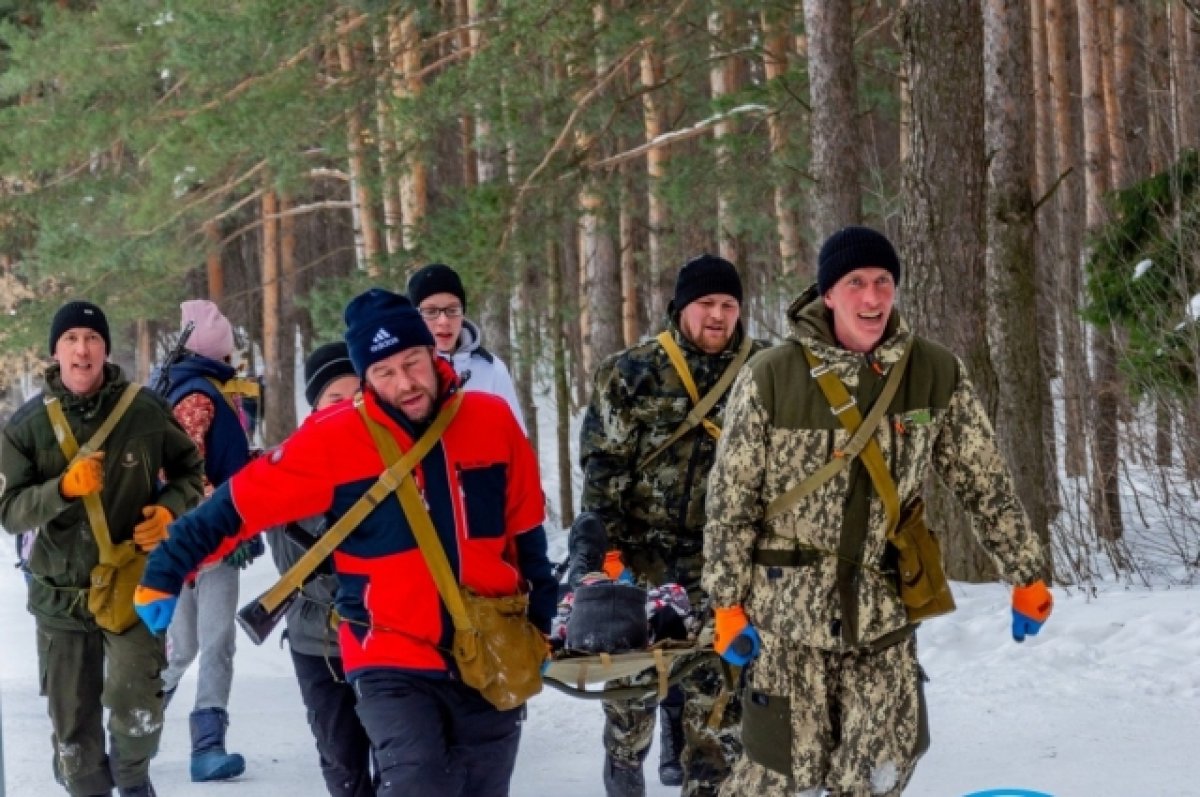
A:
779, 429
654, 515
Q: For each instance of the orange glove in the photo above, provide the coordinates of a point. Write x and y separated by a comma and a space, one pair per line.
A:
154, 607
734, 638
153, 530
1031, 606
84, 477
614, 567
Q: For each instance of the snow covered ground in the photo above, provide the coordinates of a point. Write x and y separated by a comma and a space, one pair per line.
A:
1105, 703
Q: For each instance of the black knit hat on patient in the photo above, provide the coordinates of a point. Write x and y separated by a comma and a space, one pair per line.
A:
702, 276
854, 247
435, 278
379, 324
325, 364
77, 314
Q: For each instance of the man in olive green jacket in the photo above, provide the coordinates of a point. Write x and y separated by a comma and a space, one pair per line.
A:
835, 699
85, 668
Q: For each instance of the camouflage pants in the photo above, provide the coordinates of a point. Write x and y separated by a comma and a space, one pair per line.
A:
708, 752
85, 672
851, 722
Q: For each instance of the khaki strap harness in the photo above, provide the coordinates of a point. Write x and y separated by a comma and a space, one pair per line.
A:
862, 439
397, 471
73, 452
701, 406
422, 525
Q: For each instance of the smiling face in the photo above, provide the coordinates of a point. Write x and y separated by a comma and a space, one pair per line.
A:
710, 321
443, 314
80, 353
861, 303
407, 380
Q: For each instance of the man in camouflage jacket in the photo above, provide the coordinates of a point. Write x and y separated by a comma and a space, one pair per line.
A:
654, 511
838, 672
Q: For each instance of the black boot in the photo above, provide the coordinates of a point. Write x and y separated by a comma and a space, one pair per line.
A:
670, 745
586, 544
145, 790
623, 780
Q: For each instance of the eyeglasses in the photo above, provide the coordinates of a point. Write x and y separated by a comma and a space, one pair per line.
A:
432, 313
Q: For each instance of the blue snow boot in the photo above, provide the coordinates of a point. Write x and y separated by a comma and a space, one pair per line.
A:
209, 759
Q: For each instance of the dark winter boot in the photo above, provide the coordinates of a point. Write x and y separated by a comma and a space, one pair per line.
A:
145, 790
209, 759
586, 544
623, 780
670, 745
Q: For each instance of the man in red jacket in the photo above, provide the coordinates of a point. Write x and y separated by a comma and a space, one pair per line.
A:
432, 734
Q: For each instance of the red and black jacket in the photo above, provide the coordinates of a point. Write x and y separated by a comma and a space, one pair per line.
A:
480, 482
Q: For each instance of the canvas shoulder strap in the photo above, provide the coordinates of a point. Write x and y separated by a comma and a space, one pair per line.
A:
862, 438
701, 406
420, 521
72, 451
395, 472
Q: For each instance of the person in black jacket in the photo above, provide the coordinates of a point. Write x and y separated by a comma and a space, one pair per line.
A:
342, 744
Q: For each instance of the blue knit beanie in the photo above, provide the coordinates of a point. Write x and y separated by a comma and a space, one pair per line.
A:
379, 324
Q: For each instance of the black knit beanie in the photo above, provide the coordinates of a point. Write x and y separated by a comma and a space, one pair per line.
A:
435, 278
702, 276
325, 364
79, 314
379, 324
854, 247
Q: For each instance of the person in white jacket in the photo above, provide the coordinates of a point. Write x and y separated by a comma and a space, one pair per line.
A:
437, 292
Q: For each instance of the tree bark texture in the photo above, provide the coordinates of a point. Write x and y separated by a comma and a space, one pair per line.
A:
943, 222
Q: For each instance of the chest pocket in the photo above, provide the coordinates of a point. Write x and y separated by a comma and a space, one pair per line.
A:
483, 491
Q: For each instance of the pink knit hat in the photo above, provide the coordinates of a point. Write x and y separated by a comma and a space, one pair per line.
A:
213, 335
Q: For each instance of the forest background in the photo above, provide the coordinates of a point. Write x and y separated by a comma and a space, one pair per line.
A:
1034, 161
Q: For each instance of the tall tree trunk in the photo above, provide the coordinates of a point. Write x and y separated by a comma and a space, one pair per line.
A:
837, 196
1183, 81
724, 79
775, 64
943, 221
496, 317
283, 389
405, 46
1070, 206
273, 428
1045, 251
364, 200
562, 391
1106, 503
1011, 267
630, 331
385, 123
654, 121
214, 272
144, 353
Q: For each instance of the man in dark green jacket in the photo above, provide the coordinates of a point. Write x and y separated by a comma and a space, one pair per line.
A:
146, 472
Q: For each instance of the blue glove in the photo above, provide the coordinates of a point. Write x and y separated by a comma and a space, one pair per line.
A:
154, 607
1031, 606
734, 638
246, 552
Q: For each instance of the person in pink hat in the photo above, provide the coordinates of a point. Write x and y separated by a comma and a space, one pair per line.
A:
204, 622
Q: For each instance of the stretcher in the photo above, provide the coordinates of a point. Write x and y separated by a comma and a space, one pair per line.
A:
670, 661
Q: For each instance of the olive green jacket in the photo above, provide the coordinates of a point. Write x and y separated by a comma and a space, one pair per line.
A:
779, 428
149, 459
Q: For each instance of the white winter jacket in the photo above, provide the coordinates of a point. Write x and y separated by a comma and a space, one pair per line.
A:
488, 373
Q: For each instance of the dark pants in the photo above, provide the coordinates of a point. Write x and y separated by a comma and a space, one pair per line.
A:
82, 674
436, 737
342, 743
